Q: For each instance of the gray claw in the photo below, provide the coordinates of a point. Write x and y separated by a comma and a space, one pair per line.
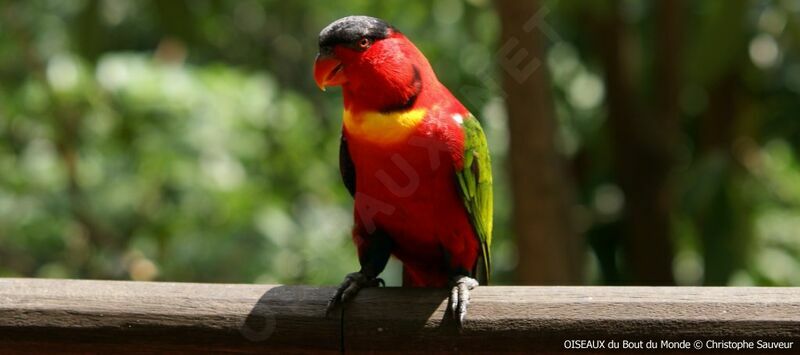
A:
459, 298
352, 283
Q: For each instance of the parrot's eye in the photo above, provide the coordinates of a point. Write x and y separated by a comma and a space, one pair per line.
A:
364, 43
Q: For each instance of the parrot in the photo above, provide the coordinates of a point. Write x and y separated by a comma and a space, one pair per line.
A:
415, 161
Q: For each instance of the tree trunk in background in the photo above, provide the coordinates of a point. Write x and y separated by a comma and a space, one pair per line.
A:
725, 221
727, 131
550, 252
642, 144
668, 53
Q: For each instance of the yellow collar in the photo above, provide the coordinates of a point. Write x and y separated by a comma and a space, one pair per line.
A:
383, 128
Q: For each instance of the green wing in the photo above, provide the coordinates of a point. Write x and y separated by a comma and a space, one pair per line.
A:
475, 180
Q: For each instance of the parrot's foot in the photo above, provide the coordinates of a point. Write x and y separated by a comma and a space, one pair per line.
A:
353, 283
459, 297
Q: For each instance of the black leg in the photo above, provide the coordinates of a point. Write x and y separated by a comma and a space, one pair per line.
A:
373, 258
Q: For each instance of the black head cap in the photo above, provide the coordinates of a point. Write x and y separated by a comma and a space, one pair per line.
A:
349, 30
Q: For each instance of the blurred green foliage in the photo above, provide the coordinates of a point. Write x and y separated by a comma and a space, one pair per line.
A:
735, 214
185, 140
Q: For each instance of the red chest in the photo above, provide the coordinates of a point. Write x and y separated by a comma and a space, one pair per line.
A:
409, 190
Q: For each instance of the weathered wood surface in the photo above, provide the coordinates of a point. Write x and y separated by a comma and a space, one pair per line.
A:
150, 316
101, 316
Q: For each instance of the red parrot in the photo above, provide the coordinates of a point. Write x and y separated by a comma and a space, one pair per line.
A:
414, 159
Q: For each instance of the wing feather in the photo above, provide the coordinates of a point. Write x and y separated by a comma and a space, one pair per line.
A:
475, 181
346, 167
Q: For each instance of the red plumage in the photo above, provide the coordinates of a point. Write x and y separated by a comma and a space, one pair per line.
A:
401, 188
422, 210
403, 143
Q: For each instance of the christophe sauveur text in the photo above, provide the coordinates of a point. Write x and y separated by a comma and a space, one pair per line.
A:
677, 344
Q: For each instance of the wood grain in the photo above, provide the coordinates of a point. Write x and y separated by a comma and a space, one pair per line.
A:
81, 316
541, 319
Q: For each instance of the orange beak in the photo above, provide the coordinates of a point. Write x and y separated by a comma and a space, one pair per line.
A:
328, 71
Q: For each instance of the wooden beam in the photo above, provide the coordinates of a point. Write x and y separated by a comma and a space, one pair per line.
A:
542, 318
117, 316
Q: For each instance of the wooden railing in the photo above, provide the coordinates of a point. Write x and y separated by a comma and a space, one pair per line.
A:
39, 315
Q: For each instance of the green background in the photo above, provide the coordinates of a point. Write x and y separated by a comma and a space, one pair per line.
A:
187, 141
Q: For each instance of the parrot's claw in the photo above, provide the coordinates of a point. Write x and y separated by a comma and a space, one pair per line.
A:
353, 283
459, 297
